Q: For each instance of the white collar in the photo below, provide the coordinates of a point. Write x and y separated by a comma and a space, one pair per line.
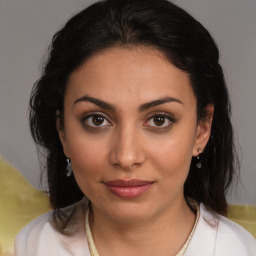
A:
202, 242
204, 238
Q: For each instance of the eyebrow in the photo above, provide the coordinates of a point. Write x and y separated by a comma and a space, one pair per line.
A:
97, 102
142, 107
157, 102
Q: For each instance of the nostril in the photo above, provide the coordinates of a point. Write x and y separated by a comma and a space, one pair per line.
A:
127, 159
126, 150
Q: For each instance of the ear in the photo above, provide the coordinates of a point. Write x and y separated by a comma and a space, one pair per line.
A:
61, 132
203, 131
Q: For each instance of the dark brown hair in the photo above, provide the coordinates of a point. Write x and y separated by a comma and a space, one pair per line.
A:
186, 44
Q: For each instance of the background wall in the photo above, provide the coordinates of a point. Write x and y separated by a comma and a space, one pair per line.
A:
25, 33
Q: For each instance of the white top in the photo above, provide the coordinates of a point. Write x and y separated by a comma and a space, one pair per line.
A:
214, 235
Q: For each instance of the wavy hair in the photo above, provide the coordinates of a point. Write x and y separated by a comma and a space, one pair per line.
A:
185, 43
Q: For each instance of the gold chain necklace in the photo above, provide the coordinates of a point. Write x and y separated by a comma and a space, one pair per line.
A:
93, 249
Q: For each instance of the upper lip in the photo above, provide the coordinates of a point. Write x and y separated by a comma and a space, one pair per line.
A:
127, 183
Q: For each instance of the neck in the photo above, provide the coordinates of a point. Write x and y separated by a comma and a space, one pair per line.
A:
165, 233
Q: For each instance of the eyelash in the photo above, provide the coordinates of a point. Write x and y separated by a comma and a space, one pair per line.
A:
94, 114
165, 115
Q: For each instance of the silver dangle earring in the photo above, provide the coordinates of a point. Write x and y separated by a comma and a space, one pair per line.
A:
68, 168
198, 164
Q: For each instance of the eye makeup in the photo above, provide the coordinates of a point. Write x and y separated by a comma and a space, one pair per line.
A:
95, 120
160, 121
98, 121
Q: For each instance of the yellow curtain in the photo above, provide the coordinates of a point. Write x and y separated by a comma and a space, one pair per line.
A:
20, 203
244, 215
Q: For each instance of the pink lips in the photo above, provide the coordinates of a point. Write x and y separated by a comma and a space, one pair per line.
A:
128, 188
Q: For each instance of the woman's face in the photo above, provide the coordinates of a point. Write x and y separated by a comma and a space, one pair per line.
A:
130, 130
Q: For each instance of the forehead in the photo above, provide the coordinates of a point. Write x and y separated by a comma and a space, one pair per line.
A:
129, 75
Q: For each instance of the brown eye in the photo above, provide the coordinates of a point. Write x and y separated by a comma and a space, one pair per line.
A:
97, 120
159, 120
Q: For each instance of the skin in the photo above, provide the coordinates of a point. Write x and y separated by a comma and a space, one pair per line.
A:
129, 145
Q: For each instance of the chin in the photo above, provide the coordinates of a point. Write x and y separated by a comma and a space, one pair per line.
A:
130, 212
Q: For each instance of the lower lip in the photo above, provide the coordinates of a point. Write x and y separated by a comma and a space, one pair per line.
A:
129, 192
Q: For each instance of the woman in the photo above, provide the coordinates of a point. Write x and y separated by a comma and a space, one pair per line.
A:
133, 112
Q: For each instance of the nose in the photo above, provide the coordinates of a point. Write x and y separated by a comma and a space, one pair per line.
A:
127, 149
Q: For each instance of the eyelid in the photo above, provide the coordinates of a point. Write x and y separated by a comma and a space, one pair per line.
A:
162, 113
90, 114
166, 115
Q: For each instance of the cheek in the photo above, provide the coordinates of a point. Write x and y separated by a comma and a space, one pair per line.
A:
88, 161
172, 156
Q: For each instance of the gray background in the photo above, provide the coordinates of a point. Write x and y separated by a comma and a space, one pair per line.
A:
26, 28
